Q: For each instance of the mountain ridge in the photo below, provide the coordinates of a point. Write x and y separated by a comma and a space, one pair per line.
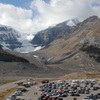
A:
65, 52
46, 36
9, 37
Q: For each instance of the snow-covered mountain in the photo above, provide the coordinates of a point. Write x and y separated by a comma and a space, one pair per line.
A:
76, 50
9, 37
14, 40
46, 36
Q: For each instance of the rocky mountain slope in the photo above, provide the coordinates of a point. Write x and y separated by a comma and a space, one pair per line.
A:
11, 64
9, 37
68, 49
46, 36
21, 65
71, 53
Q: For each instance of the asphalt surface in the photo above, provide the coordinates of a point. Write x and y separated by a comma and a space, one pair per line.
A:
9, 85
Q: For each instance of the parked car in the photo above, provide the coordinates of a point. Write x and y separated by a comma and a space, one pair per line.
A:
41, 97
59, 98
46, 98
87, 98
45, 81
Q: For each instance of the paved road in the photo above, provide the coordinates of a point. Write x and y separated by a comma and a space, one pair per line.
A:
30, 93
9, 85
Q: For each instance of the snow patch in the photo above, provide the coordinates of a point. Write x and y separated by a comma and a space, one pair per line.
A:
70, 23
26, 47
50, 58
38, 48
5, 45
30, 37
35, 56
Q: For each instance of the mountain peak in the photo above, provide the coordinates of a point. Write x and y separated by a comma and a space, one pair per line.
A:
6, 28
91, 19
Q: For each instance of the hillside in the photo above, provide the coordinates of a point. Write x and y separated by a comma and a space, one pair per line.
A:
21, 65
7, 57
65, 53
75, 52
60, 30
75, 76
13, 64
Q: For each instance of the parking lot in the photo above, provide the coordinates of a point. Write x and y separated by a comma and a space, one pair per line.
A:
59, 90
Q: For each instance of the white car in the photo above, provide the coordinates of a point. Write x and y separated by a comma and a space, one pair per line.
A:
61, 81
87, 98
11, 97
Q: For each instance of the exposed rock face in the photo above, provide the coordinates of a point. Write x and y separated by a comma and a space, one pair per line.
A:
68, 49
9, 37
59, 31
66, 53
0, 47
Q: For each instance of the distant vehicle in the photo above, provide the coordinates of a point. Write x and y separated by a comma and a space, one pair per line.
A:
11, 97
19, 83
22, 89
98, 95
87, 98
46, 98
61, 81
18, 93
26, 85
45, 81
59, 99
41, 97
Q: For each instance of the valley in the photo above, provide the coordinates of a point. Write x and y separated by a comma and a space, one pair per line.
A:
66, 49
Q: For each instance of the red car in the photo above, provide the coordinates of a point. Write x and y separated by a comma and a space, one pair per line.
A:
41, 90
46, 98
43, 94
50, 98
54, 98
45, 81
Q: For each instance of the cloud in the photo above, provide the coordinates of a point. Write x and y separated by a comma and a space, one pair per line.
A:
42, 14
16, 17
60, 10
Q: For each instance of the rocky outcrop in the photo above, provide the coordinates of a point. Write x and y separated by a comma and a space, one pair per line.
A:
59, 31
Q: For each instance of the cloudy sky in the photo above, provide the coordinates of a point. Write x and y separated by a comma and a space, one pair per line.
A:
31, 16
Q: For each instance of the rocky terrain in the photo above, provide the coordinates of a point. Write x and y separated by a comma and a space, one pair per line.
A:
61, 30
9, 38
68, 49
71, 52
14, 64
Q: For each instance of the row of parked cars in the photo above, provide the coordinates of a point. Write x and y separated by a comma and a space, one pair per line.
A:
26, 84
22, 87
59, 89
92, 97
19, 91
